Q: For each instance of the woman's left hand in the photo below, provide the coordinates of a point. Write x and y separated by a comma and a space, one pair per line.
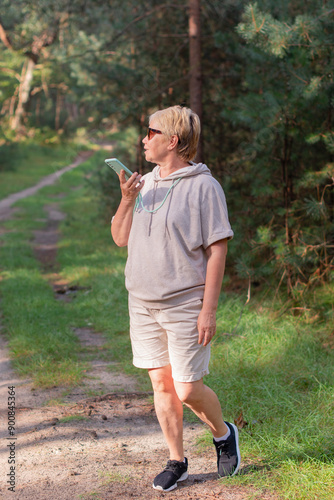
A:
206, 325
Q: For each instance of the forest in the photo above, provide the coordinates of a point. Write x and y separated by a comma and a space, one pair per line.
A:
260, 76
78, 82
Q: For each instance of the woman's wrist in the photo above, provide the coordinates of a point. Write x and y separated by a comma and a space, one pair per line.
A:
128, 202
209, 306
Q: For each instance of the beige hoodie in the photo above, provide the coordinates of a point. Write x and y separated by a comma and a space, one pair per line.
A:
173, 223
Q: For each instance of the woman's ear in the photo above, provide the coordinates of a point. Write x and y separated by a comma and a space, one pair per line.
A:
173, 142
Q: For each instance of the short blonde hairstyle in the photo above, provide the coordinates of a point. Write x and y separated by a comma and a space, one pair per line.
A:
183, 122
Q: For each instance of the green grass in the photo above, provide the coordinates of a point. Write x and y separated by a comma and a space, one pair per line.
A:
114, 477
41, 339
277, 373
277, 369
72, 418
28, 163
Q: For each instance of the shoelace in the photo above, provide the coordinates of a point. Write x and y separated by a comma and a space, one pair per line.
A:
173, 465
139, 200
223, 447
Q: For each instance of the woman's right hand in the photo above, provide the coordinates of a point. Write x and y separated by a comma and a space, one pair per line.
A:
130, 187
122, 221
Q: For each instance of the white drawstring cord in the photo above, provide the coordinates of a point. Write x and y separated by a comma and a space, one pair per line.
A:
139, 200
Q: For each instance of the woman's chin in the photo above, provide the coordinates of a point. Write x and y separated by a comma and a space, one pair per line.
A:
149, 158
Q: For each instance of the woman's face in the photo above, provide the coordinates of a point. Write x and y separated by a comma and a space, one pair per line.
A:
156, 148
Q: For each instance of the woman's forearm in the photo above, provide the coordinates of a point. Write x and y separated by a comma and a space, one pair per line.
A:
122, 222
214, 275
206, 323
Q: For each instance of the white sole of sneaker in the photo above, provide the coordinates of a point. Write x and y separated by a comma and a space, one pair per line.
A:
182, 478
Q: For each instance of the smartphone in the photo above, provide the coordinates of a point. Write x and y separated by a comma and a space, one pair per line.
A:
118, 166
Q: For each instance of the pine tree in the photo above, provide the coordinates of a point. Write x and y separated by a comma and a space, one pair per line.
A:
288, 170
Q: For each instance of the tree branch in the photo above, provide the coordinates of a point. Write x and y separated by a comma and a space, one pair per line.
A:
4, 38
129, 25
12, 73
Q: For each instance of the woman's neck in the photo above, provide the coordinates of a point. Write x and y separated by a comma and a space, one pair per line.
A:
169, 167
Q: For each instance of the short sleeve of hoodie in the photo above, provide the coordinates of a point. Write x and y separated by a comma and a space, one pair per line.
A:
215, 224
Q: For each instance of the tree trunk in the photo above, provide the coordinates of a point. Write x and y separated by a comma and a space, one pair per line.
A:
24, 92
195, 72
287, 199
44, 40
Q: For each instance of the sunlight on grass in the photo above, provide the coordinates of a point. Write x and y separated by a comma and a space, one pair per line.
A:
292, 480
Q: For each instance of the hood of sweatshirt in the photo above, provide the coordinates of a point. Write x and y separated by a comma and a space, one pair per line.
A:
192, 170
189, 171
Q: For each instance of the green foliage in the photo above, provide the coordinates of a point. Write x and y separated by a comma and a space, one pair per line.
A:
9, 157
258, 27
287, 173
104, 181
268, 97
315, 209
102, 66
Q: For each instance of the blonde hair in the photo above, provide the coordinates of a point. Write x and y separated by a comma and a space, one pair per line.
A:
184, 123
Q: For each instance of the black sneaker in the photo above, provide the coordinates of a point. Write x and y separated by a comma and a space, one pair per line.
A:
173, 472
228, 453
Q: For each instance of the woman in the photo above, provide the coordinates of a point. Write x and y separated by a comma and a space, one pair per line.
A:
174, 221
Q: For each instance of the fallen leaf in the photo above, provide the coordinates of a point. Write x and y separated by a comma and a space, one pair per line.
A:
240, 422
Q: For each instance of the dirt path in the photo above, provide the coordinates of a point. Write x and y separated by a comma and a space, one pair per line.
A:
105, 447
6, 203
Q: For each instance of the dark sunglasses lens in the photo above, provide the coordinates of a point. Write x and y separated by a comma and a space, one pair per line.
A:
151, 132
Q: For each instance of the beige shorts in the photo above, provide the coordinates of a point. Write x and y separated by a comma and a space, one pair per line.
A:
160, 337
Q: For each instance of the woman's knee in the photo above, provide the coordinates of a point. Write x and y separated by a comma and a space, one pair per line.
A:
161, 379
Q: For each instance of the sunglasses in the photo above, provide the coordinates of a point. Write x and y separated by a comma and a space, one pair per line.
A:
151, 132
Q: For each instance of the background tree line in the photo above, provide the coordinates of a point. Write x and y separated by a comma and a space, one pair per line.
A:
260, 75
